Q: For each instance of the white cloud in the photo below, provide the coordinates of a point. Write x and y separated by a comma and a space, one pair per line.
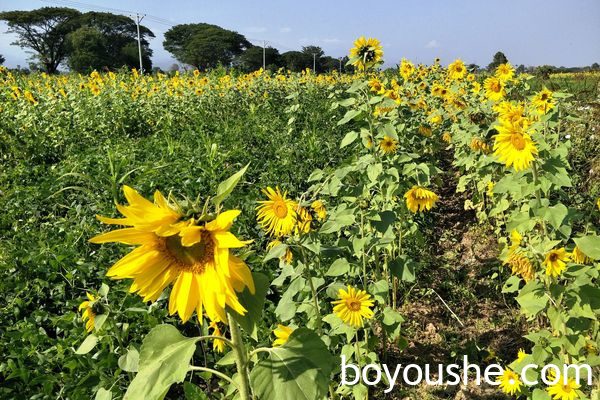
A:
285, 29
432, 44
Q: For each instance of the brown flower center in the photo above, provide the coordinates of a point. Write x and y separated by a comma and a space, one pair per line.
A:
353, 305
517, 141
280, 209
193, 258
553, 257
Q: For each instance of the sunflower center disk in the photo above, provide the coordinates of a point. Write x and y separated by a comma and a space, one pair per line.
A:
353, 305
517, 141
280, 209
192, 258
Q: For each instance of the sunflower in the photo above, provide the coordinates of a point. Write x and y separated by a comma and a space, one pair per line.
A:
515, 240
277, 216
542, 102
478, 144
89, 313
366, 53
303, 221
193, 255
494, 88
521, 355
353, 305
319, 208
520, 266
420, 199
509, 382
457, 70
505, 72
287, 257
218, 345
476, 88
376, 86
388, 145
556, 261
564, 390
447, 137
425, 131
513, 144
579, 257
282, 333
406, 69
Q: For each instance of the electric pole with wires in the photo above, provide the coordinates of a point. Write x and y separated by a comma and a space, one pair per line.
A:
139, 40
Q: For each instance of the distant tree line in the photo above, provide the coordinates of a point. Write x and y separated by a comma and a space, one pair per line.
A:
104, 41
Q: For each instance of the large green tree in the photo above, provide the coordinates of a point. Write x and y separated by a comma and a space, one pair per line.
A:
204, 45
2, 59
106, 40
499, 58
44, 31
252, 58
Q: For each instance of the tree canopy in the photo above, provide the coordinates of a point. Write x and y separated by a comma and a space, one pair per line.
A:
44, 31
204, 45
499, 58
252, 59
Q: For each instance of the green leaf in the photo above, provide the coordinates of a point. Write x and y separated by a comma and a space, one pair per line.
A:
556, 215
590, 245
300, 369
532, 298
511, 285
103, 394
193, 392
276, 252
350, 114
349, 139
338, 267
539, 394
379, 290
226, 187
129, 362
403, 268
87, 345
164, 359
253, 303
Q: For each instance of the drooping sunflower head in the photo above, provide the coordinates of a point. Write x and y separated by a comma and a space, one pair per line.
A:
513, 144
277, 215
282, 334
303, 222
194, 255
556, 262
447, 137
420, 199
353, 306
579, 257
388, 145
520, 265
457, 70
510, 382
366, 53
319, 208
494, 89
90, 310
218, 345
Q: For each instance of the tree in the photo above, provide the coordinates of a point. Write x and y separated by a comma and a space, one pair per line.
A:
295, 61
252, 58
330, 64
499, 58
314, 53
106, 40
203, 45
2, 59
44, 31
595, 66
473, 67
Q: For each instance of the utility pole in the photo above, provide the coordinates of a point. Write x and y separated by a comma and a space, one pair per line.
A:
314, 63
264, 56
340, 65
137, 23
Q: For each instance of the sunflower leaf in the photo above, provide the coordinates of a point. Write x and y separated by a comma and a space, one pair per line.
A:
254, 304
226, 187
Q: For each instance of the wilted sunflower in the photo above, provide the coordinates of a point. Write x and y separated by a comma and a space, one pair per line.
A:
447, 137
194, 256
420, 199
509, 382
579, 256
513, 144
505, 72
366, 53
457, 70
319, 208
277, 216
303, 221
520, 266
542, 102
287, 257
388, 145
556, 261
353, 305
494, 88
478, 144
282, 333
89, 312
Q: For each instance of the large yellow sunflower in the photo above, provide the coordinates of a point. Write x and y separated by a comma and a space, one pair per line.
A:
542, 102
457, 70
193, 255
353, 305
513, 144
494, 89
564, 390
388, 145
505, 72
556, 261
277, 216
366, 53
420, 199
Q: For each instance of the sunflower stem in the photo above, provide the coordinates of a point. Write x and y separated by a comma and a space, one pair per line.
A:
313, 291
214, 372
241, 358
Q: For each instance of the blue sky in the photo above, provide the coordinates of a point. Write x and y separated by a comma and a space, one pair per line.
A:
530, 32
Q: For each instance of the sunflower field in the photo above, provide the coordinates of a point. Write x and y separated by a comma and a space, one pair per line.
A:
235, 236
